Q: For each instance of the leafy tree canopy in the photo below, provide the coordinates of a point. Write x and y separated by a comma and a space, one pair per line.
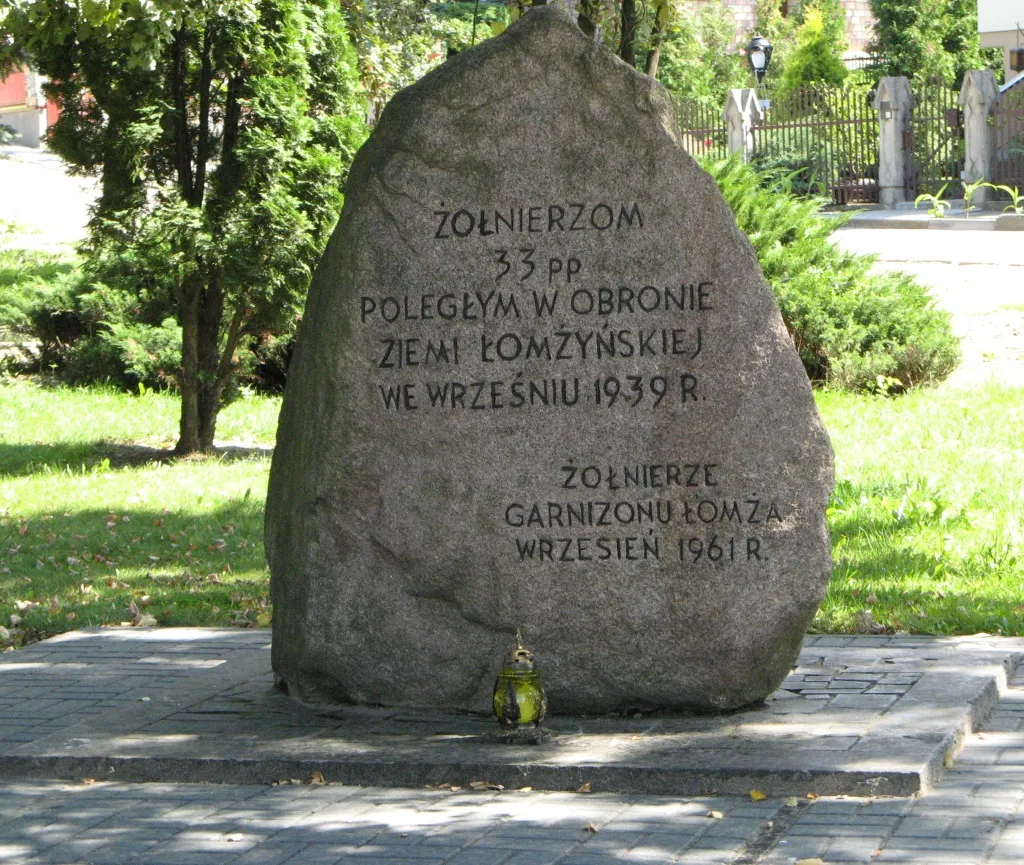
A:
930, 39
222, 131
820, 42
696, 60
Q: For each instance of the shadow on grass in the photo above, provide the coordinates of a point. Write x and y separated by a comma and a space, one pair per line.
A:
193, 567
23, 459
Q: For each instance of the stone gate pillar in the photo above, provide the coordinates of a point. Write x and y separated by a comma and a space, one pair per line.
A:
742, 113
978, 97
895, 105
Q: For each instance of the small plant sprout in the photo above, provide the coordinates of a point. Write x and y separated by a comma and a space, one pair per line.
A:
1016, 204
970, 190
939, 206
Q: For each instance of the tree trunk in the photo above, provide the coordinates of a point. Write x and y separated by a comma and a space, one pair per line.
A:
201, 380
627, 43
188, 378
586, 18
210, 312
654, 55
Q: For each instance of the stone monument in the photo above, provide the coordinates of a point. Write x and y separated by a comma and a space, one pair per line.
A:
542, 384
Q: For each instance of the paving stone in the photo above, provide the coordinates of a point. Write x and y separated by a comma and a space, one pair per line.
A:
970, 811
854, 849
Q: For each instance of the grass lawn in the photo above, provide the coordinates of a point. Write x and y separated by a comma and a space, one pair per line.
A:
927, 519
92, 519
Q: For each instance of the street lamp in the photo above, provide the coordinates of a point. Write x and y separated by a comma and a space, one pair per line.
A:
759, 55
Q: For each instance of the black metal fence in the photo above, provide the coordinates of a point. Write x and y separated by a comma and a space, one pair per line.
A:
830, 135
936, 146
1008, 125
703, 128
827, 139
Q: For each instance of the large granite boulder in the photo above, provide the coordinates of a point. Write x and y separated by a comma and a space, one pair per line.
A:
542, 384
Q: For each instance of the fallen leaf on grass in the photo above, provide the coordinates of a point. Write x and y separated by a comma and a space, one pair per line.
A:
715, 815
864, 623
70, 616
146, 621
757, 796
26, 605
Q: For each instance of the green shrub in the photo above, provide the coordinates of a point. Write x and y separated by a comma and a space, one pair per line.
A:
7, 134
696, 60
777, 160
456, 22
121, 332
819, 48
28, 279
852, 328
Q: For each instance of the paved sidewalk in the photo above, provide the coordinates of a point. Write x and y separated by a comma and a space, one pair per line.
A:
972, 816
954, 220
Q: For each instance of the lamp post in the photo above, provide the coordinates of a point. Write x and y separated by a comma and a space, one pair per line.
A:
759, 55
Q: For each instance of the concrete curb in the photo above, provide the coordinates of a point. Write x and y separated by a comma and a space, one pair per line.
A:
916, 220
864, 716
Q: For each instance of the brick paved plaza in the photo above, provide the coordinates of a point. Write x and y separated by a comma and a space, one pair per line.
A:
155, 700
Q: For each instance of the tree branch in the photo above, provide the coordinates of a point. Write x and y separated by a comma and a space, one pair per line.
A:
627, 42
183, 143
235, 329
203, 149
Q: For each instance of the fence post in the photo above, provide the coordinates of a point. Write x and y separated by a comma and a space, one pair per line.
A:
742, 112
894, 104
978, 97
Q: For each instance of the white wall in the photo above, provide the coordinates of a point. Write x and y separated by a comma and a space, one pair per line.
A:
996, 15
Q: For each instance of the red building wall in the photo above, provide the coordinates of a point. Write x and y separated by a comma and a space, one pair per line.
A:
12, 91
